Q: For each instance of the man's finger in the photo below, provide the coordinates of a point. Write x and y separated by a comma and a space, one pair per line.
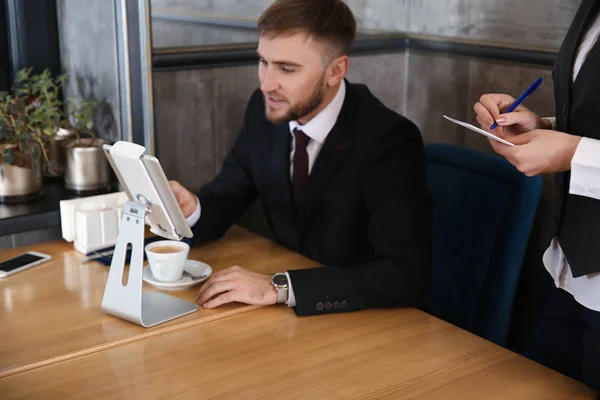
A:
216, 289
206, 286
181, 196
175, 186
203, 289
222, 277
216, 277
227, 274
225, 298
181, 193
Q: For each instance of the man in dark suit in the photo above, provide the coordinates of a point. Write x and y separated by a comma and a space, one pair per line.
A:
341, 178
568, 331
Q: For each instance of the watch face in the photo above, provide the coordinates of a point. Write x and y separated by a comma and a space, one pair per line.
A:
280, 280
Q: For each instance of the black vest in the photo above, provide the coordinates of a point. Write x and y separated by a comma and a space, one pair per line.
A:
575, 220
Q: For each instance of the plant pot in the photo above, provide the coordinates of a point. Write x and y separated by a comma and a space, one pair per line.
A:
86, 168
18, 184
54, 167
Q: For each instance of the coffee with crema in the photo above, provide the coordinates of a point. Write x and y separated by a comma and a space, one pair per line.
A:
166, 249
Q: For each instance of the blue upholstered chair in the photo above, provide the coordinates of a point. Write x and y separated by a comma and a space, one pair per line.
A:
483, 213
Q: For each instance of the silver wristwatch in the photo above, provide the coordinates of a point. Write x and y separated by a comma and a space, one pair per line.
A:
280, 283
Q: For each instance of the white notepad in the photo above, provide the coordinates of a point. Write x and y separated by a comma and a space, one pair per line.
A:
480, 131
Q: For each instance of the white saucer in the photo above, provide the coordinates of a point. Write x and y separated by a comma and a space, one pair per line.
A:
191, 268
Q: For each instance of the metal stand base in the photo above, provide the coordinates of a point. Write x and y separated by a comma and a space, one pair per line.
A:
126, 299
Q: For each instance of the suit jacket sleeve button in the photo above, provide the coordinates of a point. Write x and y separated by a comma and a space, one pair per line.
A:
336, 305
320, 306
328, 306
343, 304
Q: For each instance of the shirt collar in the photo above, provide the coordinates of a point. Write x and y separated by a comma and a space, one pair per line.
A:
321, 124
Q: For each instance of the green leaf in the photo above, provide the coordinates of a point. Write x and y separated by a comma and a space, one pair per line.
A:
23, 74
9, 156
61, 79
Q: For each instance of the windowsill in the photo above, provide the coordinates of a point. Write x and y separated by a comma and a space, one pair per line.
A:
38, 214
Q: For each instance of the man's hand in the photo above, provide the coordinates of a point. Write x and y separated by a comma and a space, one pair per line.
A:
539, 151
186, 199
237, 284
490, 109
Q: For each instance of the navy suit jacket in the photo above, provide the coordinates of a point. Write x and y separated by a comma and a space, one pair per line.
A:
366, 214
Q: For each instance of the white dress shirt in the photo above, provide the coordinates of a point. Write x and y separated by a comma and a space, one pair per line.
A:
585, 181
317, 129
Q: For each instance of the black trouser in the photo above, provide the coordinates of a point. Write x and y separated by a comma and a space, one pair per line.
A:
567, 338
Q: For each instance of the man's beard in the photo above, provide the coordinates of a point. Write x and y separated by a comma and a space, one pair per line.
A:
300, 110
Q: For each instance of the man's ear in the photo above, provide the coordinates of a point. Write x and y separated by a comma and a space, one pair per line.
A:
338, 69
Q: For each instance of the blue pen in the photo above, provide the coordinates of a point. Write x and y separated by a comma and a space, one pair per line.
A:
522, 97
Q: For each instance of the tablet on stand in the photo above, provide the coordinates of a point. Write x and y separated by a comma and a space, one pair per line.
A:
151, 201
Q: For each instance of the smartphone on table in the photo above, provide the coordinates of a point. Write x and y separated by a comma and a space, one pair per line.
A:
22, 262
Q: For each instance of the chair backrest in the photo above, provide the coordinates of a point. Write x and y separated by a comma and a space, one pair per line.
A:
483, 213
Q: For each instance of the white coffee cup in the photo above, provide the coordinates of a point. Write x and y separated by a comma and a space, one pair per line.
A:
167, 266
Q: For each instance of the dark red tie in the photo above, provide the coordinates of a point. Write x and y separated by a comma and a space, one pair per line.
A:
300, 162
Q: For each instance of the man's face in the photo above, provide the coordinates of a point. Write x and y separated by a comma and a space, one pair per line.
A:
292, 76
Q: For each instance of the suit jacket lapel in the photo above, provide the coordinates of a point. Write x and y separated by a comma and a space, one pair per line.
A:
330, 158
581, 21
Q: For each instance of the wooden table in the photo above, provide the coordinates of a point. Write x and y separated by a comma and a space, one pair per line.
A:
52, 312
271, 353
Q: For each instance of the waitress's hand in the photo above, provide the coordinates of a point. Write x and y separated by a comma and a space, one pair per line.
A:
491, 107
539, 151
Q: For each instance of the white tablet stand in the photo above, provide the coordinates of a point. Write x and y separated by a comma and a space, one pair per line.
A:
153, 202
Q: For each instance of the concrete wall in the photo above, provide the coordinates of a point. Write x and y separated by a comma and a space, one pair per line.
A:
199, 111
535, 24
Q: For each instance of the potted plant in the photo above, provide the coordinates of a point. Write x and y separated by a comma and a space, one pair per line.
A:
87, 168
23, 127
44, 92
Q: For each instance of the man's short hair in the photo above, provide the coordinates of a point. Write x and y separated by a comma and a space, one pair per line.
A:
331, 21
